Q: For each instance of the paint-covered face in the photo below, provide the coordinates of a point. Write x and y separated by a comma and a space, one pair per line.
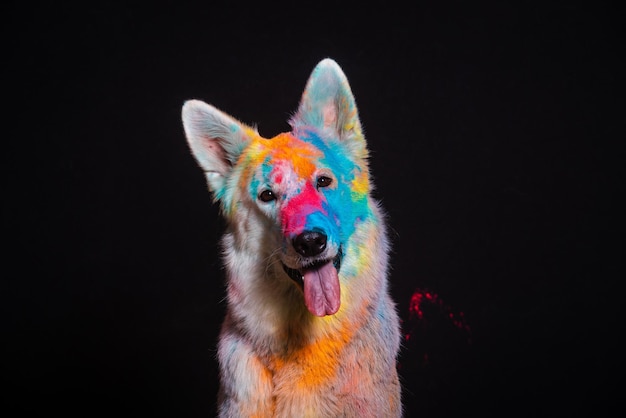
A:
315, 192
307, 184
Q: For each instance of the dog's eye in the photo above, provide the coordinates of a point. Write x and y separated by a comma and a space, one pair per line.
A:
324, 181
267, 196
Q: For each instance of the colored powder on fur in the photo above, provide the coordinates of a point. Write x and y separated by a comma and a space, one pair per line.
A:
287, 147
295, 212
348, 199
286, 152
319, 360
268, 153
360, 185
307, 207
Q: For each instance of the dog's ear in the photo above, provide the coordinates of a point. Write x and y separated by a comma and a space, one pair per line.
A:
328, 105
216, 141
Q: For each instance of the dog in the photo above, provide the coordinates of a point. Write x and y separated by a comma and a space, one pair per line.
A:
310, 328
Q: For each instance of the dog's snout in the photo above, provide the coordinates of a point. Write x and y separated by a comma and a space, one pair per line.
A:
310, 243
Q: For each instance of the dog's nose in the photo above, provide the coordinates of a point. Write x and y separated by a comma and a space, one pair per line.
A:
310, 243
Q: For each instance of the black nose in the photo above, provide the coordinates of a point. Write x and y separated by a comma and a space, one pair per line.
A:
310, 243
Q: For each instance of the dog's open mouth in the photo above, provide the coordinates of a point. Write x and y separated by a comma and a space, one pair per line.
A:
320, 284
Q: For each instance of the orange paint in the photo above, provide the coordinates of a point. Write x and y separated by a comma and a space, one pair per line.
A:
316, 362
287, 147
283, 146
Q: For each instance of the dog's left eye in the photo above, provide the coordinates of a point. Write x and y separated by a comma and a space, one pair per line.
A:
267, 196
324, 181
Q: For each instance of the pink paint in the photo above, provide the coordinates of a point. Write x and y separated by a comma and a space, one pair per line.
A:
297, 209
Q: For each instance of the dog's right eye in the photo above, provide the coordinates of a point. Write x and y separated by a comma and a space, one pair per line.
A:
267, 196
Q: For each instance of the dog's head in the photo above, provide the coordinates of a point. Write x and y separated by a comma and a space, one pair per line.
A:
309, 188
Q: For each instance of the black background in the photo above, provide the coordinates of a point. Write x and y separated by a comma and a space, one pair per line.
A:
493, 129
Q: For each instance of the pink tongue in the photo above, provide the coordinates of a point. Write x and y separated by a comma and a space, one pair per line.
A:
321, 290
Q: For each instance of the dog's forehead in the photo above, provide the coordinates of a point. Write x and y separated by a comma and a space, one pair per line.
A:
284, 150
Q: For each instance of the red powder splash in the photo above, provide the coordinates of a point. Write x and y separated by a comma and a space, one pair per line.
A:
433, 331
422, 299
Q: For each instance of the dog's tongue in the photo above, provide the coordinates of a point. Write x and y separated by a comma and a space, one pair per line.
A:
321, 290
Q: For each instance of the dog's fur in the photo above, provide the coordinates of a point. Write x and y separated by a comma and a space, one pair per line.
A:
310, 329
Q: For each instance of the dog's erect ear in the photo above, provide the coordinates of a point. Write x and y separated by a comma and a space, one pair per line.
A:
328, 104
216, 141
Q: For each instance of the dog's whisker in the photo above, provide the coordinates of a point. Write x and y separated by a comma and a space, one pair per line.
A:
272, 259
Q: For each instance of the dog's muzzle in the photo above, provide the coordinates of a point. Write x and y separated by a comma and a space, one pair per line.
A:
317, 278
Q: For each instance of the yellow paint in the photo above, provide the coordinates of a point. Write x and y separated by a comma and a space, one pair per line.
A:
360, 184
